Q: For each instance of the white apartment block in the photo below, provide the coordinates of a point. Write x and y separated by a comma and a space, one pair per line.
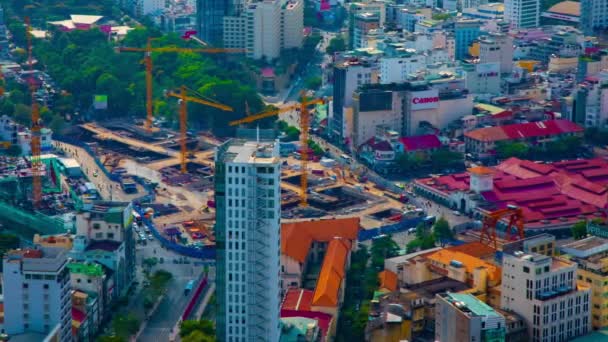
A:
36, 288
265, 28
248, 198
543, 291
151, 6
522, 13
399, 69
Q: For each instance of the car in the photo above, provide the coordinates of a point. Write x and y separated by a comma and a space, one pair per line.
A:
456, 212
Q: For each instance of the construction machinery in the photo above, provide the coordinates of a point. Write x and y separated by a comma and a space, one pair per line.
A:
302, 107
515, 217
36, 124
183, 117
148, 50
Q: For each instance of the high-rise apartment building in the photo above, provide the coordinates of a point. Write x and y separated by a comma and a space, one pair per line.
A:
248, 213
465, 32
543, 290
497, 48
594, 15
348, 76
522, 13
462, 317
265, 28
210, 18
36, 288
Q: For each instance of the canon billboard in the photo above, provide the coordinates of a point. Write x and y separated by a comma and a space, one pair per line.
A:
428, 99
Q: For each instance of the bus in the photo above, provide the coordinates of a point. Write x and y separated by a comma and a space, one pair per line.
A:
189, 287
347, 159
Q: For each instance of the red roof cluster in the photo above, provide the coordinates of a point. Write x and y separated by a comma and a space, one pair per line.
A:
420, 142
525, 130
548, 193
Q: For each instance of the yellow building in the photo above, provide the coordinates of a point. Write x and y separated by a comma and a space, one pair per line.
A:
591, 255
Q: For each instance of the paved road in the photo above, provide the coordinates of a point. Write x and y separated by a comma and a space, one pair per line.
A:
173, 304
107, 188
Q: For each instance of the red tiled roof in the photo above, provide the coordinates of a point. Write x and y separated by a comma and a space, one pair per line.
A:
381, 145
547, 193
420, 142
297, 299
525, 130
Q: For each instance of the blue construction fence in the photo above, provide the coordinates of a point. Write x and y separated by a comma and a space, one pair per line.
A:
368, 234
199, 253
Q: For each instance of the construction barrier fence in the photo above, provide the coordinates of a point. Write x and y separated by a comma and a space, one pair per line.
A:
206, 252
405, 224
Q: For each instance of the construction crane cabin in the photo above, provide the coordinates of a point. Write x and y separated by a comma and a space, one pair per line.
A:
148, 50
184, 98
302, 107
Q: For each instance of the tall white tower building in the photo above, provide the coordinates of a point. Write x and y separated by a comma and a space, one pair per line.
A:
248, 240
522, 13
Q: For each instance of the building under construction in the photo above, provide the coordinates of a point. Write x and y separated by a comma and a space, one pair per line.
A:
16, 195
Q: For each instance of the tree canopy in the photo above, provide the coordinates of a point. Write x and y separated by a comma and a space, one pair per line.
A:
197, 330
579, 230
336, 44
84, 64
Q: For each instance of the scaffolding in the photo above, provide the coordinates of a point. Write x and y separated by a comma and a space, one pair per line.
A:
259, 258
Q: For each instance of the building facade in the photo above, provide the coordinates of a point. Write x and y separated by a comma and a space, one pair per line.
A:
104, 235
544, 292
462, 317
594, 15
465, 32
497, 48
265, 28
36, 287
522, 13
248, 201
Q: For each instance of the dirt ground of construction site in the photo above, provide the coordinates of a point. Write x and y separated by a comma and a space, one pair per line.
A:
186, 197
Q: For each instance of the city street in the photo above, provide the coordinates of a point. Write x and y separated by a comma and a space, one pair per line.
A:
172, 306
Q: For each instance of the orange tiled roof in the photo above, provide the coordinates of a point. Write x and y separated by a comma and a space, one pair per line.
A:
481, 170
445, 256
296, 237
388, 280
474, 249
332, 273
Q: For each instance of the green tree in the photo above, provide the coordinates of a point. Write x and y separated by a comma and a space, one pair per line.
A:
508, 149
442, 230
197, 336
424, 239
443, 158
111, 339
14, 150
313, 82
16, 96
579, 230
125, 325
57, 123
23, 114
336, 44
409, 161
204, 326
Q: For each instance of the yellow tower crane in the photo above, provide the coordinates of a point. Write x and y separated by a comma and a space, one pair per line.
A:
302, 107
148, 50
183, 117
